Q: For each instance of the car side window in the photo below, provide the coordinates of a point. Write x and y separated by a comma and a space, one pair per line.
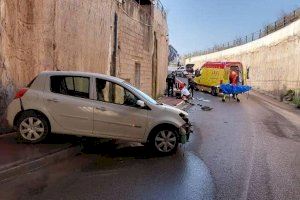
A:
114, 93
70, 85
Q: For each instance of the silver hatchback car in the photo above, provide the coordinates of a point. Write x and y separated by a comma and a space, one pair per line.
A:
95, 105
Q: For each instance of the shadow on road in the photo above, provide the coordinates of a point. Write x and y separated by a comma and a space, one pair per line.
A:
116, 149
52, 139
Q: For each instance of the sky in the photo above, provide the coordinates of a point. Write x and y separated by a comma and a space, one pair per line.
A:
201, 24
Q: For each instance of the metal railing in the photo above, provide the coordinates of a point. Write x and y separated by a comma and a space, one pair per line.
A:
160, 6
282, 22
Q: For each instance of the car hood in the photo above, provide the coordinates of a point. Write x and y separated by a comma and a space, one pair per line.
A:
173, 109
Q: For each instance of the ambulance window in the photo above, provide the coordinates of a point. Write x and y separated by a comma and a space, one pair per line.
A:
201, 70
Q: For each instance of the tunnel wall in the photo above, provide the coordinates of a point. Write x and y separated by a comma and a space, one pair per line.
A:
273, 61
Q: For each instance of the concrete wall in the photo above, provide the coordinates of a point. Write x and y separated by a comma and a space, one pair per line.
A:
82, 34
38, 35
135, 47
274, 60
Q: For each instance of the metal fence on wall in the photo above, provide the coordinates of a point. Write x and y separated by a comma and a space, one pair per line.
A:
160, 6
282, 22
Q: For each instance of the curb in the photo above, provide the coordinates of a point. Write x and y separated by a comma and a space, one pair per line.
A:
17, 168
182, 105
277, 98
6, 134
179, 104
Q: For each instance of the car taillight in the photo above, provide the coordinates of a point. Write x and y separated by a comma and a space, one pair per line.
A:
21, 93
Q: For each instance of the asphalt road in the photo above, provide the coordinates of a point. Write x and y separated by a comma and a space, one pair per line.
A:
246, 150
109, 171
251, 148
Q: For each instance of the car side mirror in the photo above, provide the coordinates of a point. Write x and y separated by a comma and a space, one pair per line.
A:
141, 103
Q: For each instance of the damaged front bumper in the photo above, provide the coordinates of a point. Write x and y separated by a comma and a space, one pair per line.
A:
185, 132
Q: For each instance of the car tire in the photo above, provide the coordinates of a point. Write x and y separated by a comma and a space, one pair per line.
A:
164, 140
32, 127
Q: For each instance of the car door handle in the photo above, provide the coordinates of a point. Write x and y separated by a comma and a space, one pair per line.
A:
100, 108
53, 100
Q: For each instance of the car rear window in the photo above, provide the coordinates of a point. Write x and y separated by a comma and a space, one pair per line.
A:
76, 86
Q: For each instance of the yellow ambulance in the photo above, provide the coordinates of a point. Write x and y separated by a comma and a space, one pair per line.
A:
213, 74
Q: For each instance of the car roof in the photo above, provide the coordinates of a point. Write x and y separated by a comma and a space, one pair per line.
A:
79, 73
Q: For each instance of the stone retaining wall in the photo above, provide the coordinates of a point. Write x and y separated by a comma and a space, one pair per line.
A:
38, 35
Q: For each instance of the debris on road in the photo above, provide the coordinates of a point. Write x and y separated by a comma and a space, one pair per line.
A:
205, 108
202, 99
189, 102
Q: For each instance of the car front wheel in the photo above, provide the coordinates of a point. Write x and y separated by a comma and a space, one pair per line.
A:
32, 127
165, 141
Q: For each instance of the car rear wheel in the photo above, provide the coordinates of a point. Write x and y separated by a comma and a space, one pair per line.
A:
32, 127
165, 141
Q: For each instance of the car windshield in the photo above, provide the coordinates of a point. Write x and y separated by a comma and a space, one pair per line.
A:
145, 96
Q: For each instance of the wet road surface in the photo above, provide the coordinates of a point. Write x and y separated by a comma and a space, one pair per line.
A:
247, 150
251, 148
126, 173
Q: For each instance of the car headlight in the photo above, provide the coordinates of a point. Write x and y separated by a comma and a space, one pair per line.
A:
184, 117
